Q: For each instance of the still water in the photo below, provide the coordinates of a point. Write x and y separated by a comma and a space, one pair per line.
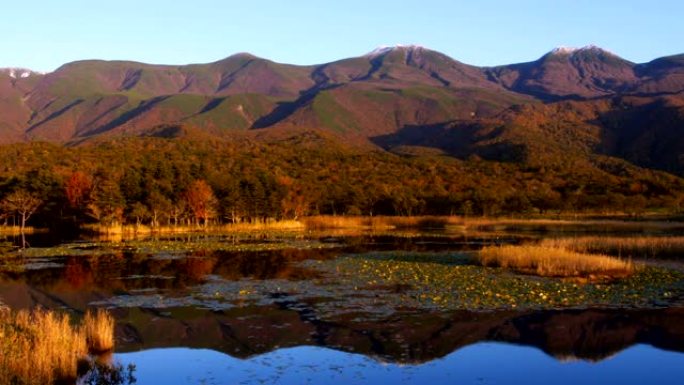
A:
482, 363
250, 314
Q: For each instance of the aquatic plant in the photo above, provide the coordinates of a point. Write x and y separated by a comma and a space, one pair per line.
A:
452, 281
181, 245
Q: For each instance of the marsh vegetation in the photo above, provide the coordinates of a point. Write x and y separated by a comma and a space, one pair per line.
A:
44, 347
548, 261
334, 281
636, 247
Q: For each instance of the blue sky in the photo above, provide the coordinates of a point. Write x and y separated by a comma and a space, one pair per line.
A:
43, 34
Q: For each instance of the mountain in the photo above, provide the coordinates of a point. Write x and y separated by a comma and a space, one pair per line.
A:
570, 103
564, 73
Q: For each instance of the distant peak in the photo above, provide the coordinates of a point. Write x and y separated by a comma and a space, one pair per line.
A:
19, 73
383, 49
562, 50
242, 55
571, 51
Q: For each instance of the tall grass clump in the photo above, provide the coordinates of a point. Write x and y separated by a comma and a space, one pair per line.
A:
99, 331
39, 347
554, 262
632, 247
42, 347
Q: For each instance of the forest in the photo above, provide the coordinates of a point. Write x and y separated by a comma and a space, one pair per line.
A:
156, 181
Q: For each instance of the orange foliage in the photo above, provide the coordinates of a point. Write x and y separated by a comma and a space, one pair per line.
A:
201, 201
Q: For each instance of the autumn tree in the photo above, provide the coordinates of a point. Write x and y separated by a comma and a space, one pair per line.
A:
23, 203
107, 203
139, 212
78, 188
201, 201
294, 204
177, 211
159, 207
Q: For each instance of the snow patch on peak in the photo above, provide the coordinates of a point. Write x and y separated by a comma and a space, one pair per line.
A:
595, 48
19, 73
562, 50
383, 49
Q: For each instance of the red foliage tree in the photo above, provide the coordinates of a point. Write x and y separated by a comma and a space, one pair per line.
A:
78, 187
201, 201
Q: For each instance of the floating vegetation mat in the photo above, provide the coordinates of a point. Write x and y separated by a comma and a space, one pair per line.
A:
171, 247
451, 282
378, 285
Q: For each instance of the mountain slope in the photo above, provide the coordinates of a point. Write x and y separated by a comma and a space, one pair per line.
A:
563, 73
569, 104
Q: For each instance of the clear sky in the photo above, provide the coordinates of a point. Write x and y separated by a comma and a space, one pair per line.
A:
43, 34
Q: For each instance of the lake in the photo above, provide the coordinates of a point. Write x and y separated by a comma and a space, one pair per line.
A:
297, 308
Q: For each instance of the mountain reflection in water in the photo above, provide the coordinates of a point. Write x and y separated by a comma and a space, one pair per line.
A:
590, 335
483, 363
262, 340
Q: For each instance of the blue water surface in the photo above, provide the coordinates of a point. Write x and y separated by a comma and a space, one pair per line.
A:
482, 363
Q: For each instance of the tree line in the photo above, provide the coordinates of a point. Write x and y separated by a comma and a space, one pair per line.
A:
159, 182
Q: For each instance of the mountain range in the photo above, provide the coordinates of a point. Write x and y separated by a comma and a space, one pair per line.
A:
411, 100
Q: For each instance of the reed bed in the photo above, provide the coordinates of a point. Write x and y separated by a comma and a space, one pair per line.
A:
128, 230
593, 225
380, 222
42, 347
632, 247
99, 331
554, 262
474, 223
263, 225
16, 230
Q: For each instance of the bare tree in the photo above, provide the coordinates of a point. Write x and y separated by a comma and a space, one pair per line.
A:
23, 203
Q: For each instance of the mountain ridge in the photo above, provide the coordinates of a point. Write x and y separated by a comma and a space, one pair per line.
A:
570, 100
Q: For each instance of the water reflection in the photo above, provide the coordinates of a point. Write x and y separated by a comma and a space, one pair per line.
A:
121, 272
124, 272
590, 335
486, 363
265, 338
109, 373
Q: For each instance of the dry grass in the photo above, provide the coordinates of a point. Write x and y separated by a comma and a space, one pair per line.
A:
99, 331
16, 230
263, 225
632, 247
380, 222
43, 347
123, 231
555, 262
475, 223
39, 347
593, 225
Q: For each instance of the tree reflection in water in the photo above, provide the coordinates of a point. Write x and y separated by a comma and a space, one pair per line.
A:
104, 372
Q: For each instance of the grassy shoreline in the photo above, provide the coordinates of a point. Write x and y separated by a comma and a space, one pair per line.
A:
459, 223
641, 247
44, 347
16, 230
